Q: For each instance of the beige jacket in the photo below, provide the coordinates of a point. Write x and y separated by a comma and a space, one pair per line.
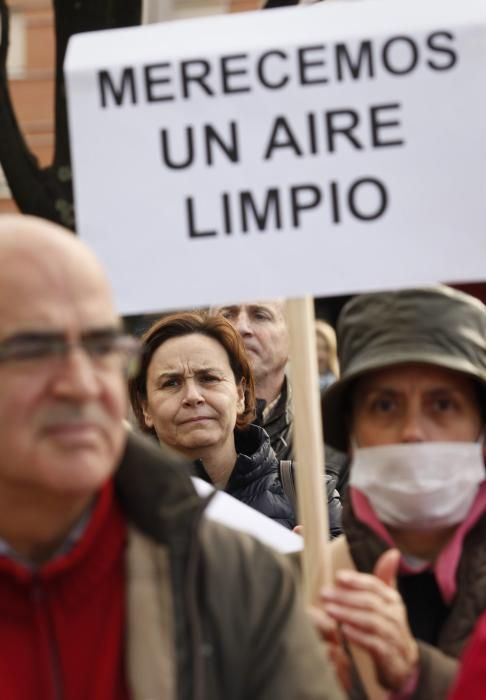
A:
211, 614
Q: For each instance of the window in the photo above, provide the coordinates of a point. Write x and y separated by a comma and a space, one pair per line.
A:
162, 10
17, 52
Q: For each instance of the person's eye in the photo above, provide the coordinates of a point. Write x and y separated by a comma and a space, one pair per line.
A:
444, 404
100, 346
35, 349
383, 405
110, 342
261, 316
170, 383
30, 349
209, 378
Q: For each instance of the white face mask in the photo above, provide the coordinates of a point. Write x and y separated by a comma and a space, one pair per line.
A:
419, 485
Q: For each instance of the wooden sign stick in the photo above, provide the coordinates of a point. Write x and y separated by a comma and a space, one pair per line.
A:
317, 565
309, 446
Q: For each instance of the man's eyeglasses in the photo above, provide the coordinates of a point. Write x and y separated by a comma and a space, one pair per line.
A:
107, 348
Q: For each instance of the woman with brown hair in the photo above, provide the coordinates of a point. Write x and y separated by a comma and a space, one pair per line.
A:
195, 393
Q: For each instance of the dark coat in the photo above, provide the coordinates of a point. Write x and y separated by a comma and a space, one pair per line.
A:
256, 481
279, 423
279, 426
438, 658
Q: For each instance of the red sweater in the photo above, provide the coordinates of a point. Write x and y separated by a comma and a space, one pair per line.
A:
471, 681
62, 627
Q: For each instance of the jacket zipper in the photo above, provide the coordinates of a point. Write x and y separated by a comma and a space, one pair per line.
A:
40, 602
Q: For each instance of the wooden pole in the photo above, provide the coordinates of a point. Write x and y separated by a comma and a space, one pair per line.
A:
309, 446
309, 450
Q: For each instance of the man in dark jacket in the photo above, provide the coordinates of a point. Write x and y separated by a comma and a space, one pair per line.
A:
410, 407
113, 585
263, 328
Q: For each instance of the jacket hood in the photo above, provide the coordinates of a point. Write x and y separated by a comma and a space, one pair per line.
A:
256, 457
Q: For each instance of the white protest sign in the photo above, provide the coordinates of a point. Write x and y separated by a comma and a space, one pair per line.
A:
314, 150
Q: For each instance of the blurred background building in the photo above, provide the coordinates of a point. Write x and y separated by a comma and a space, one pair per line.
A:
31, 64
31, 72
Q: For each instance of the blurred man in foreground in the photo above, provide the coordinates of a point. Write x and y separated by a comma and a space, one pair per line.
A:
410, 407
113, 585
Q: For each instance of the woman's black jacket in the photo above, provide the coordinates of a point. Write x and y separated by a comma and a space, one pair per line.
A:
255, 480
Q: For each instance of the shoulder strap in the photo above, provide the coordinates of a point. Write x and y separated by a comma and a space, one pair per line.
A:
341, 559
288, 483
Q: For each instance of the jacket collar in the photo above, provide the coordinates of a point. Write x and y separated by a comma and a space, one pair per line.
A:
447, 562
155, 491
280, 412
255, 457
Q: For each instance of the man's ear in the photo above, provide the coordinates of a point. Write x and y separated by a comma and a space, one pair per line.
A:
147, 416
241, 404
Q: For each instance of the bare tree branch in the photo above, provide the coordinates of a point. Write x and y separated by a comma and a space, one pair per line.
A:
48, 192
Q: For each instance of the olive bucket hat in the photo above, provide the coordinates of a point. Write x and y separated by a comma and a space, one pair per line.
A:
437, 326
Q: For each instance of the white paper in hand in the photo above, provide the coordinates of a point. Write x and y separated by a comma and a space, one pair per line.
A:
230, 512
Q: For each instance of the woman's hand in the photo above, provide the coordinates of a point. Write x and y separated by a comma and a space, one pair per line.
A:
328, 630
372, 615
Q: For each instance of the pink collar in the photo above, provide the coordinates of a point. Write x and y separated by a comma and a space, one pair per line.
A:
446, 564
